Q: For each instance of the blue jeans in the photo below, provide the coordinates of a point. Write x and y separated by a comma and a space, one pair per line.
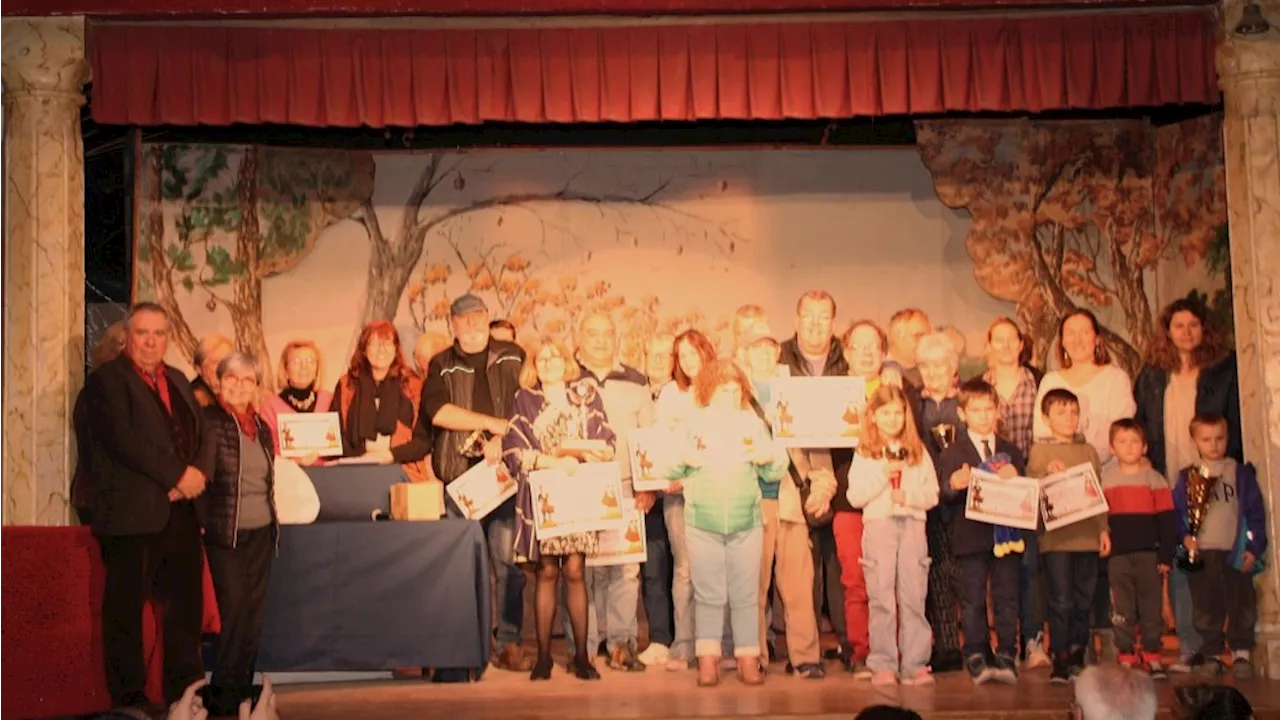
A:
726, 573
612, 596
500, 529
657, 578
1183, 618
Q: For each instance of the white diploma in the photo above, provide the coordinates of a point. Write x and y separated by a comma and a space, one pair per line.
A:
817, 412
1012, 502
644, 444
1071, 496
622, 545
480, 490
585, 500
303, 434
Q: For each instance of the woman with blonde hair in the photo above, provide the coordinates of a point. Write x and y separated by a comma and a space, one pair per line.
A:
209, 354
551, 407
299, 377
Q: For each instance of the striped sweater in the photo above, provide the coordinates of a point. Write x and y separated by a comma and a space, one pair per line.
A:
1141, 516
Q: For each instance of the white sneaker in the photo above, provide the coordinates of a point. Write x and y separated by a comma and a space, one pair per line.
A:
676, 663
1182, 666
1035, 656
655, 654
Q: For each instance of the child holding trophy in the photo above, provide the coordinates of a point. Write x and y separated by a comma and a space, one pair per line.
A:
893, 483
1224, 536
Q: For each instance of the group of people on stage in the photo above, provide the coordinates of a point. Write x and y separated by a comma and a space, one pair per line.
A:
872, 539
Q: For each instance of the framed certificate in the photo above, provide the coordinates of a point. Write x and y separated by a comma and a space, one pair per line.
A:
1012, 502
622, 545
585, 500
303, 434
644, 444
480, 490
817, 412
1071, 496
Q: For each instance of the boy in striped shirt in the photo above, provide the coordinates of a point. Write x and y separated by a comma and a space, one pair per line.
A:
1143, 539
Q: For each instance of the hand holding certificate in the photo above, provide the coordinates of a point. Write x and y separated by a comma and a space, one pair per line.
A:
480, 490
1071, 496
586, 500
303, 434
818, 412
1012, 502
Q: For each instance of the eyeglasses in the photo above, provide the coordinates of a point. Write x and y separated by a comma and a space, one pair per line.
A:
304, 361
239, 380
382, 345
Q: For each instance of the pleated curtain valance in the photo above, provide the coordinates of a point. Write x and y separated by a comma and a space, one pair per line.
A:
155, 74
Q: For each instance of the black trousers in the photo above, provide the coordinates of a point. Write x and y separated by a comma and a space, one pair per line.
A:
240, 582
1073, 577
1004, 574
656, 578
1222, 594
1138, 587
943, 598
166, 567
826, 581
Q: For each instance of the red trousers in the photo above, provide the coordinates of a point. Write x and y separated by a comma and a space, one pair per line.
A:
847, 527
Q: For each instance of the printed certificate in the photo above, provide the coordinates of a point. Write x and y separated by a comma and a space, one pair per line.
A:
622, 545
585, 500
1071, 496
817, 412
303, 434
1012, 502
480, 490
644, 444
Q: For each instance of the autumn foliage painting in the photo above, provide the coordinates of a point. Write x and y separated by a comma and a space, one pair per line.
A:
1073, 215
267, 244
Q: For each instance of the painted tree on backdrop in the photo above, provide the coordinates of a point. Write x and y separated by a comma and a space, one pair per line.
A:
240, 215
535, 303
1070, 215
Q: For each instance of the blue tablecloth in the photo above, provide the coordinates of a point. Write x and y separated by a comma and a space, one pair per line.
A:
378, 596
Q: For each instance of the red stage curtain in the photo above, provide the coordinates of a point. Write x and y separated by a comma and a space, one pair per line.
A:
219, 75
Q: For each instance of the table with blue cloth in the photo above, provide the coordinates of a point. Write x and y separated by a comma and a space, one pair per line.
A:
354, 596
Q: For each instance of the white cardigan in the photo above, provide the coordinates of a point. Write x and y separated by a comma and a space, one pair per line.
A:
1103, 400
869, 489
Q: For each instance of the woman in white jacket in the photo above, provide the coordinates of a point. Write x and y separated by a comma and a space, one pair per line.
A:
893, 482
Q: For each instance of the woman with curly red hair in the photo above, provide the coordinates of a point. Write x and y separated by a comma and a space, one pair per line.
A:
377, 402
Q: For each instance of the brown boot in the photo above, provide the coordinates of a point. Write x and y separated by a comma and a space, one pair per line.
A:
749, 670
708, 671
513, 659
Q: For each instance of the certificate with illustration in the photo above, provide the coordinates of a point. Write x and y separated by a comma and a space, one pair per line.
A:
585, 500
622, 545
1012, 502
303, 434
1071, 496
817, 412
644, 444
480, 490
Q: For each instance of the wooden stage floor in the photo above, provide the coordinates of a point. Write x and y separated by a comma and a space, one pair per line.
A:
658, 694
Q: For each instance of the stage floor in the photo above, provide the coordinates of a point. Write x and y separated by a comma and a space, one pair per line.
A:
657, 694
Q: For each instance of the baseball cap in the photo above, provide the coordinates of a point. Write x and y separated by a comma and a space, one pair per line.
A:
467, 304
755, 333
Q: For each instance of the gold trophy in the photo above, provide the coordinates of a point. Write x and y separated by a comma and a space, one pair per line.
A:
943, 435
1200, 485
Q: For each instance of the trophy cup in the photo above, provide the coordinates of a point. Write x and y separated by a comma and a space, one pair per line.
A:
1200, 485
943, 435
581, 395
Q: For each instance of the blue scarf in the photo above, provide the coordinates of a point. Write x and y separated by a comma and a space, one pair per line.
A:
1007, 540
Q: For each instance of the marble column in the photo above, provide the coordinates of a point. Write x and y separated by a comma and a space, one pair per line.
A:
1249, 72
44, 73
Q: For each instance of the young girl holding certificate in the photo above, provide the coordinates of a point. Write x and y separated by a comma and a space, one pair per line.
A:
721, 453
893, 482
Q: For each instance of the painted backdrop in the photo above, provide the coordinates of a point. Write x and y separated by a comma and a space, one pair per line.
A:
272, 244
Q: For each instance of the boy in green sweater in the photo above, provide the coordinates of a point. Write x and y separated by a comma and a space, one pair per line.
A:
1070, 553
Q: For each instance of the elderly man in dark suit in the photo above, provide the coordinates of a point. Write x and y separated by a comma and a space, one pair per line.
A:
145, 436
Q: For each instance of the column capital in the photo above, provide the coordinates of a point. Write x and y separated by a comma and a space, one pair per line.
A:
44, 56
1249, 66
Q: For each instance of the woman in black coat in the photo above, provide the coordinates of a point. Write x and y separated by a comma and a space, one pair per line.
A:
240, 525
1190, 370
